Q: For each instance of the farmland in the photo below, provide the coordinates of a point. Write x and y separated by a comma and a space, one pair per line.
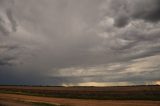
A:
102, 93
74, 96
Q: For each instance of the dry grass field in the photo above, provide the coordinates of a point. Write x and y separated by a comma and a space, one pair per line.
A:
12, 100
80, 96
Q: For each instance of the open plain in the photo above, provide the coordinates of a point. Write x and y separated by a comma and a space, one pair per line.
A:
72, 102
80, 96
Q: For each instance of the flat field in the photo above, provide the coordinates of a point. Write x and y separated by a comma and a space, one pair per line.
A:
80, 96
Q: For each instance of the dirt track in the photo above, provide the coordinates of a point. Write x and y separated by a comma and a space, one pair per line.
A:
79, 102
5, 102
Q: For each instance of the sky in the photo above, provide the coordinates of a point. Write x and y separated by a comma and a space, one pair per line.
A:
79, 42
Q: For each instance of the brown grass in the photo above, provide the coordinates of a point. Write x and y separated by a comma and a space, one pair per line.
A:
79, 102
103, 93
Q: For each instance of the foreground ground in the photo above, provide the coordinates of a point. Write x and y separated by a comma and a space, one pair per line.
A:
10, 98
97, 93
5, 102
79, 96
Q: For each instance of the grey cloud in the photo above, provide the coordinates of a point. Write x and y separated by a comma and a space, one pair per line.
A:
5, 61
9, 47
7, 21
7, 26
148, 10
77, 41
3, 30
138, 39
7, 54
135, 71
121, 20
124, 11
11, 18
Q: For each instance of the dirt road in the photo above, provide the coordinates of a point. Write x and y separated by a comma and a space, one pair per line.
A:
79, 102
5, 102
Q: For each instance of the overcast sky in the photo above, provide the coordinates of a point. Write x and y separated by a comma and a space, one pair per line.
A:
79, 42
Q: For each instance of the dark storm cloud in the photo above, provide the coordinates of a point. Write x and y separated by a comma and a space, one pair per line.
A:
127, 10
5, 60
148, 10
7, 54
121, 21
71, 41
